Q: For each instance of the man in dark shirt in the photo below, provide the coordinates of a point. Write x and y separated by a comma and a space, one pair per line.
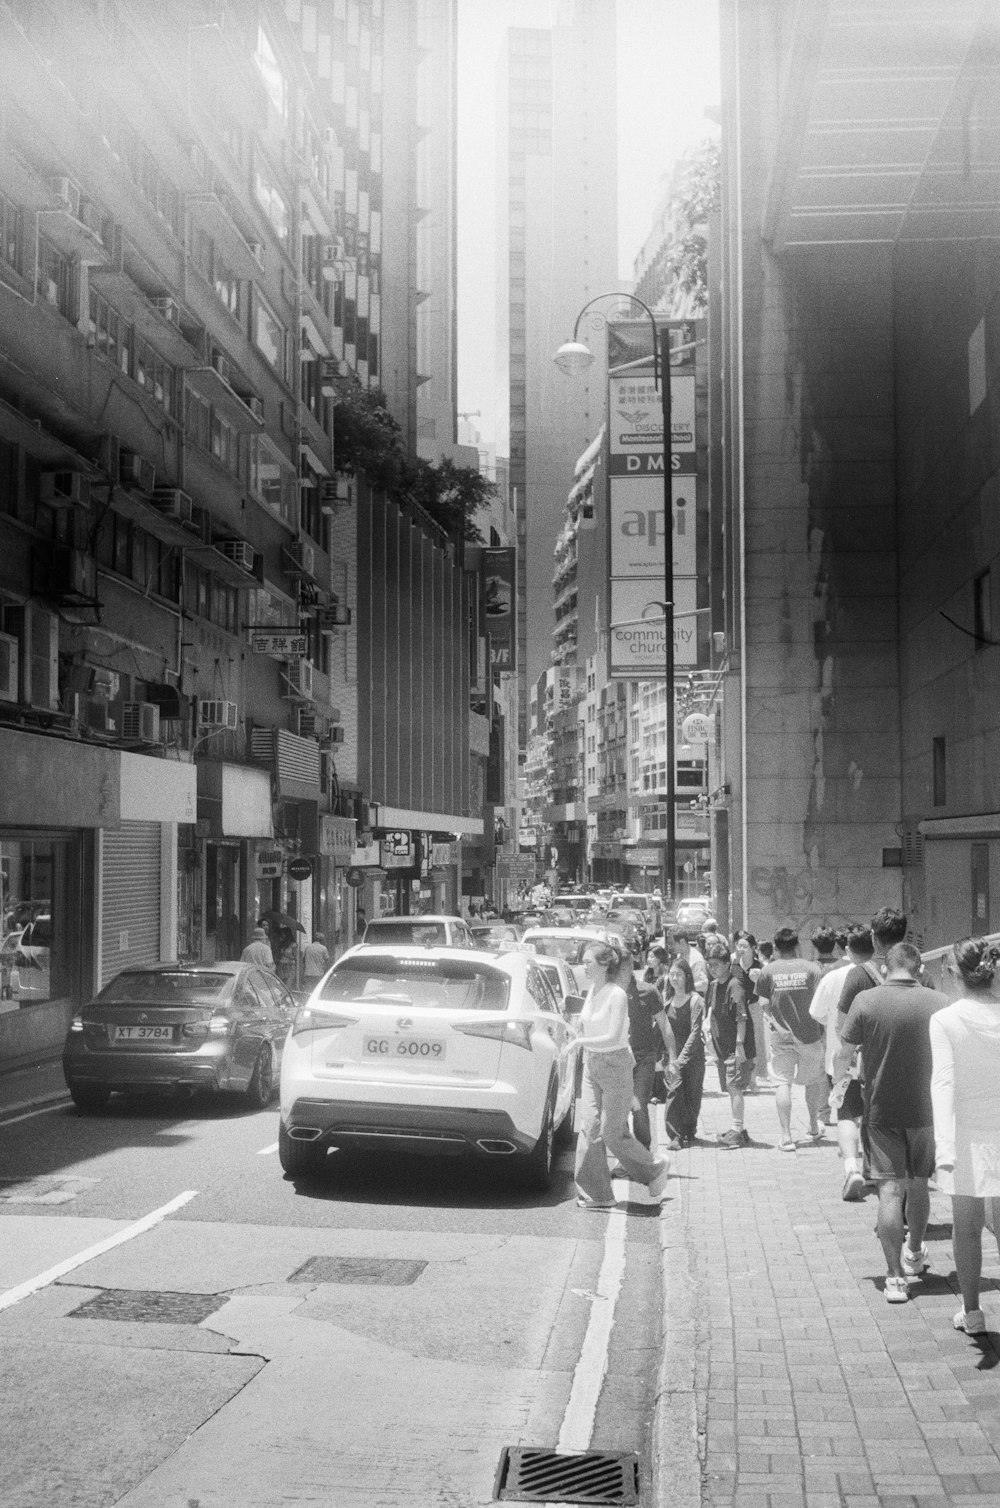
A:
890, 1024
732, 1035
888, 928
786, 986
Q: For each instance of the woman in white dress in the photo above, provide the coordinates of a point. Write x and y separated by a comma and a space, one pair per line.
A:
606, 1094
965, 1092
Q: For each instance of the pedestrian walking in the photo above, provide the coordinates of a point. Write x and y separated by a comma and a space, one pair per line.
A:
842, 1065
683, 947
258, 950
732, 1036
606, 1093
891, 1025
888, 928
965, 1048
315, 960
786, 986
686, 1073
647, 1037
745, 954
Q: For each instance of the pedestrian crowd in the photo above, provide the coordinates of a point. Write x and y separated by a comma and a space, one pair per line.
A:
907, 1074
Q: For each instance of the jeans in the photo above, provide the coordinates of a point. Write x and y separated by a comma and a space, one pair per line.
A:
605, 1101
643, 1076
683, 1104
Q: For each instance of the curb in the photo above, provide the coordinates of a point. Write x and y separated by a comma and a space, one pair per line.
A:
677, 1473
40, 1102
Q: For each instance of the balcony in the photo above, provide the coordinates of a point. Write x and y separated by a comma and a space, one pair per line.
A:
165, 332
213, 213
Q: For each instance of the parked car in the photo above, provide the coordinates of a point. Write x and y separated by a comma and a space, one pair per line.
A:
215, 1026
692, 913
563, 983
424, 931
446, 1052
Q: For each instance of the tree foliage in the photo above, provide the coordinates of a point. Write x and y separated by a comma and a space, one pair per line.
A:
698, 194
368, 440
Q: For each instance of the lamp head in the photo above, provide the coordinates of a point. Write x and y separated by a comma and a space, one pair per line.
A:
573, 358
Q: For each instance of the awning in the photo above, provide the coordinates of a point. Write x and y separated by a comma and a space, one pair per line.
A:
63, 782
398, 816
235, 800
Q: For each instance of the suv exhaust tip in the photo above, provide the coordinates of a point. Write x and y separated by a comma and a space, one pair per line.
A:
304, 1133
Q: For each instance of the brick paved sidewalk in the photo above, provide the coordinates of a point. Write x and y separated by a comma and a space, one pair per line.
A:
812, 1389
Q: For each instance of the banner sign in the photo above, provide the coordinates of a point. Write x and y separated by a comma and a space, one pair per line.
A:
498, 565
636, 513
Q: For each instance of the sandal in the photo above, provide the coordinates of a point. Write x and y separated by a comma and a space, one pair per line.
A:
583, 1203
786, 1146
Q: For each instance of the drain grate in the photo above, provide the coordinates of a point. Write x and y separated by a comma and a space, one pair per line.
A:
529, 1475
387, 1272
139, 1307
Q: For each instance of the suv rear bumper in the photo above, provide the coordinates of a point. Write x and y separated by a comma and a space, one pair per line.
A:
435, 1131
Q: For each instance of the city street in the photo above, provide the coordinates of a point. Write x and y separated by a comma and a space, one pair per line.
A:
374, 1337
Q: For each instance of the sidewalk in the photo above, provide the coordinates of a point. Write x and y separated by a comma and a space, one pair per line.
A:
32, 1085
809, 1389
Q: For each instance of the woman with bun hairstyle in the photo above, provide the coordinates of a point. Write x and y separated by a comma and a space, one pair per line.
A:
606, 1096
965, 1093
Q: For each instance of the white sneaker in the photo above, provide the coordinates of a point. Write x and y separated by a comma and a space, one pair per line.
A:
972, 1321
659, 1184
915, 1263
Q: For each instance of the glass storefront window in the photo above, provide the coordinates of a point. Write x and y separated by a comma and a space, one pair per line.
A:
38, 947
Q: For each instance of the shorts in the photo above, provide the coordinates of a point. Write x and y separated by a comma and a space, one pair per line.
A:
735, 1075
900, 1151
852, 1106
796, 1062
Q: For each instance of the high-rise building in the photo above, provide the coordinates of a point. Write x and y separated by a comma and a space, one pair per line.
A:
556, 251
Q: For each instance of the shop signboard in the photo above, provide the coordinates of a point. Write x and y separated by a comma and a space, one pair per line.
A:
299, 869
498, 566
268, 863
637, 636
337, 839
515, 867
284, 644
637, 528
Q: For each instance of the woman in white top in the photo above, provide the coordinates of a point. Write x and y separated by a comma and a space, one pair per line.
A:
606, 1096
965, 1093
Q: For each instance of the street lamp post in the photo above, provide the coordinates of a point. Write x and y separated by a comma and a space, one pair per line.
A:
573, 357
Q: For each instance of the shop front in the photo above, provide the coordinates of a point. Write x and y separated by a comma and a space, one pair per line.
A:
217, 860
332, 898
88, 871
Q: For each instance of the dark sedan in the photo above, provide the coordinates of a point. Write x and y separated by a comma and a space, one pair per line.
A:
170, 1027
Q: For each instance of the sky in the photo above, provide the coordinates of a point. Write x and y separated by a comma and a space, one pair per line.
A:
667, 77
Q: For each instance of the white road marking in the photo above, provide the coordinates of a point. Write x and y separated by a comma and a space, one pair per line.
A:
588, 1378
45, 1110
137, 1228
266, 1151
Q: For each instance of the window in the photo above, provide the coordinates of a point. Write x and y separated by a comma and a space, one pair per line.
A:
133, 356
227, 286
272, 202
981, 613
269, 69
210, 598
940, 796
11, 227
269, 334
272, 478
56, 279
225, 445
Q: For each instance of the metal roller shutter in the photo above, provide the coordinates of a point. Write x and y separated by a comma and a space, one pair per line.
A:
130, 912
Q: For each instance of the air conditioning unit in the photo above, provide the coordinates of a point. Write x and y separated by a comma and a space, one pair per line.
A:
169, 308
218, 715
64, 489
140, 722
8, 668
239, 552
256, 407
173, 503
333, 259
67, 192
333, 617
135, 471
300, 558
298, 676
220, 364
336, 735
305, 722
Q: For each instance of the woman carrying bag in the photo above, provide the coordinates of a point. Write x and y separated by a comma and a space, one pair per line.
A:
965, 1048
606, 1096
686, 1074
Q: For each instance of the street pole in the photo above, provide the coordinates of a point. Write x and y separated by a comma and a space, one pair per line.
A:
670, 848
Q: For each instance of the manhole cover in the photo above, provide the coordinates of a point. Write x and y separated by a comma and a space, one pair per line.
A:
146, 1308
529, 1475
389, 1272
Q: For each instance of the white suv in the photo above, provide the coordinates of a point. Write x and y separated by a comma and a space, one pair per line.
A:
434, 1050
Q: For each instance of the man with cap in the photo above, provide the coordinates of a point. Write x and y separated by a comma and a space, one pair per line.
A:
315, 960
258, 950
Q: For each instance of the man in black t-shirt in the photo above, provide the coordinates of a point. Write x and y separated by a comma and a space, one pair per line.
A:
889, 1023
732, 1035
648, 1036
888, 928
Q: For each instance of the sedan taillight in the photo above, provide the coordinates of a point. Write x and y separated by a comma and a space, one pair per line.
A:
76, 1025
219, 1026
517, 1033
